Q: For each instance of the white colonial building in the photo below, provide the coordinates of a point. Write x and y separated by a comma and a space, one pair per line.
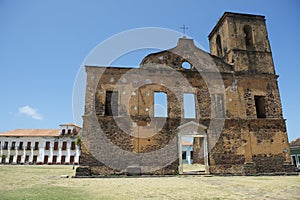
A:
40, 146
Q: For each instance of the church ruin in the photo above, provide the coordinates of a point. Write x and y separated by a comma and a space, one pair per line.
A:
136, 118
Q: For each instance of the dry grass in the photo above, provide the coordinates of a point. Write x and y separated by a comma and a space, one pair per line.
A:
44, 182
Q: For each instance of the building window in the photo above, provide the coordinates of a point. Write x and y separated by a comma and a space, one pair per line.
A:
184, 155
72, 145
36, 146
63, 159
160, 104
71, 159
28, 145
64, 146
218, 104
69, 131
11, 158
63, 131
5, 145
219, 46
74, 131
111, 103
260, 106
186, 65
34, 159
26, 158
189, 105
46, 159
47, 147
20, 145
248, 36
13, 145
19, 159
54, 160
55, 145
192, 155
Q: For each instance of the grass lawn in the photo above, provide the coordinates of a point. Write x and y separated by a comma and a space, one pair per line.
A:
44, 182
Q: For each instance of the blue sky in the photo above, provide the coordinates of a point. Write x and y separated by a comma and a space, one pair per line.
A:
43, 44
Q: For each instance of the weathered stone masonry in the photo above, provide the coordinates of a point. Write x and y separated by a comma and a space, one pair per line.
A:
253, 139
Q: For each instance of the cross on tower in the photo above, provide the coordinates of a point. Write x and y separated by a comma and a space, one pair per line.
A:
184, 28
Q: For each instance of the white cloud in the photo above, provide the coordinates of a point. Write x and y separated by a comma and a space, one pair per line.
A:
31, 112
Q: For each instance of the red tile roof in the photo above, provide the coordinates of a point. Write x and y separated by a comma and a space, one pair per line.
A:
295, 142
70, 124
31, 133
186, 143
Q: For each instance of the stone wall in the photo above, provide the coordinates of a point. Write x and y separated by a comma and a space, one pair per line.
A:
248, 143
251, 146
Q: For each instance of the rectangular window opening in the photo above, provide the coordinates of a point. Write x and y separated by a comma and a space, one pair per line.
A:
5, 145
34, 159
54, 160
55, 145
19, 159
189, 105
71, 159
20, 145
63, 159
11, 158
47, 145
111, 103
28, 146
13, 145
64, 146
160, 104
46, 159
260, 106
36, 146
73, 146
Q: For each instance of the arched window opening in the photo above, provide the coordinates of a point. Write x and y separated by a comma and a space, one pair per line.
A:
248, 36
219, 46
186, 65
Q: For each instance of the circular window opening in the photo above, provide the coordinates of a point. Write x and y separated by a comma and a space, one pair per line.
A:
186, 65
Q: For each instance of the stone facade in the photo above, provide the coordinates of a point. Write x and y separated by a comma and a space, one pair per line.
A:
238, 113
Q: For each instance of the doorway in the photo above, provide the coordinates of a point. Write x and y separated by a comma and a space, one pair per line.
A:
192, 154
46, 159
193, 149
54, 160
63, 159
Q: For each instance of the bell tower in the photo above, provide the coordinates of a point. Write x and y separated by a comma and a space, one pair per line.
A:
242, 40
